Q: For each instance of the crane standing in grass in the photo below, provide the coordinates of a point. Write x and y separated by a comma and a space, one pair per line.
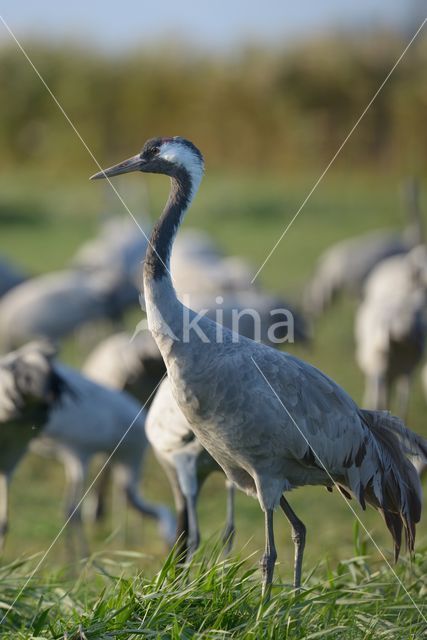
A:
77, 419
390, 328
92, 420
270, 420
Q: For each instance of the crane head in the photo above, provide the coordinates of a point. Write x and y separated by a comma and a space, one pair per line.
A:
169, 156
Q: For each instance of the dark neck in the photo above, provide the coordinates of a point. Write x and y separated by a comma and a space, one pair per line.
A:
157, 257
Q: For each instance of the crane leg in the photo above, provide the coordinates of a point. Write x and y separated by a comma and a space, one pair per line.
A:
229, 531
380, 393
181, 527
268, 560
181, 534
100, 494
298, 537
4, 489
193, 526
403, 391
75, 470
165, 520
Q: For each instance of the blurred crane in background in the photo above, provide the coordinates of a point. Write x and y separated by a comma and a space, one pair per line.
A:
30, 388
344, 267
56, 304
93, 420
390, 328
71, 418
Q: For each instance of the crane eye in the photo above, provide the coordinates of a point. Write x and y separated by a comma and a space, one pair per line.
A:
154, 151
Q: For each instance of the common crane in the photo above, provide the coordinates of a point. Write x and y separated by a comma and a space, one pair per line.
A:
244, 399
53, 305
96, 420
390, 328
29, 388
72, 418
345, 266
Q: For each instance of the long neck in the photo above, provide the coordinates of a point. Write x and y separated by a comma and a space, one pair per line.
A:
164, 311
157, 258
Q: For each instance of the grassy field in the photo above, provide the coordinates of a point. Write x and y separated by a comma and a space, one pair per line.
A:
42, 221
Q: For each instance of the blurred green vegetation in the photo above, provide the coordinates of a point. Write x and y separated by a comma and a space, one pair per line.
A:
258, 109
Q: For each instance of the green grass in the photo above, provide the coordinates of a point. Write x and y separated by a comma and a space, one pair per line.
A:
43, 219
214, 598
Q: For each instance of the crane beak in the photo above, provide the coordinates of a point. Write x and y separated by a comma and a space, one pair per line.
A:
131, 164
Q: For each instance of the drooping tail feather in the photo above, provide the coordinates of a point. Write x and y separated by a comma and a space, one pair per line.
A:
401, 499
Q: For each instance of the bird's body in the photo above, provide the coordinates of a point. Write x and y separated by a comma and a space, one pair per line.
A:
227, 391
345, 266
131, 364
54, 305
29, 388
263, 449
390, 327
187, 464
96, 420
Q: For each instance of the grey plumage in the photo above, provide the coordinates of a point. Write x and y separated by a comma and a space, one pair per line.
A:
390, 327
97, 420
55, 304
345, 266
129, 364
29, 388
77, 419
243, 399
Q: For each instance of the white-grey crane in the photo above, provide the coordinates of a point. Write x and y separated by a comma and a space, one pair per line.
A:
390, 328
270, 420
29, 388
186, 464
54, 305
344, 266
91, 420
